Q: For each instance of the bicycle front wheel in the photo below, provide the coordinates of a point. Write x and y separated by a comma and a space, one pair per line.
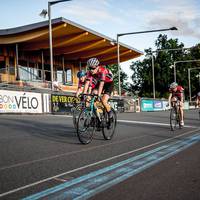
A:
173, 119
109, 125
75, 113
85, 126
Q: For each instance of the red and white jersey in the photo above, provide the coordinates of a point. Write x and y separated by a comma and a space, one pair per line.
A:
178, 92
93, 83
103, 74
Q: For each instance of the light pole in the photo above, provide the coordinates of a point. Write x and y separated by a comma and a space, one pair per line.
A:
44, 13
175, 71
182, 61
133, 33
189, 82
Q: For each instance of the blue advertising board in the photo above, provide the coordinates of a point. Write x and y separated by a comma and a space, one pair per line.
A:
147, 105
151, 105
157, 105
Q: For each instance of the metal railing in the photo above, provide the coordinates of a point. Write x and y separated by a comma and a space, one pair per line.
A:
29, 78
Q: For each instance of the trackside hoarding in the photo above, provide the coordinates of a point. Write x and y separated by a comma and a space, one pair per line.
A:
20, 102
156, 105
147, 105
64, 103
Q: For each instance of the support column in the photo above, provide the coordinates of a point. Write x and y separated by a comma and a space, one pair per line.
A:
43, 72
17, 63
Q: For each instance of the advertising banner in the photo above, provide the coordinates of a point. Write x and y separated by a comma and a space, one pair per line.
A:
147, 105
157, 105
117, 104
20, 102
186, 105
63, 103
166, 105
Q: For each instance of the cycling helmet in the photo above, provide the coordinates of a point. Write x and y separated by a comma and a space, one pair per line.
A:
173, 85
81, 74
92, 62
198, 94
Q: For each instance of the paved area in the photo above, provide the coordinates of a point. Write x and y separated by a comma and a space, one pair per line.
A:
144, 160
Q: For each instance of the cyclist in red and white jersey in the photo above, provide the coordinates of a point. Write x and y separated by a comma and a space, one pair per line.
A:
176, 93
81, 75
81, 83
104, 79
198, 100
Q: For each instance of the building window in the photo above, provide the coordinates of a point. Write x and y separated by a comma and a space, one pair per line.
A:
59, 76
69, 75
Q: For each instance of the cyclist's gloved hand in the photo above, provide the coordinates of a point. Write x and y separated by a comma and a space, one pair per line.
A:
98, 98
82, 97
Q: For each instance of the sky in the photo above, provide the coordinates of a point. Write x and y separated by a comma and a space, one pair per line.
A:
110, 17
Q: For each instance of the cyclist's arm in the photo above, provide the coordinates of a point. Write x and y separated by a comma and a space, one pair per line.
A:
90, 90
78, 92
100, 88
169, 99
87, 83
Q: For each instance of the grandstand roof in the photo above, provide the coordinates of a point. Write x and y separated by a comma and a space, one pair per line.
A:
73, 41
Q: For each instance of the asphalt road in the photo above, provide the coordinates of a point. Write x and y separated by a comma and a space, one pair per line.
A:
41, 158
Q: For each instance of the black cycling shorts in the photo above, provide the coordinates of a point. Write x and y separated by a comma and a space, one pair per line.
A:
107, 88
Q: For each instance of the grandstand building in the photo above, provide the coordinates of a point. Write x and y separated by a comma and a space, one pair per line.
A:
25, 57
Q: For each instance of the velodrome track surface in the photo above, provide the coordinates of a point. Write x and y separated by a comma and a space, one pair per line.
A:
41, 158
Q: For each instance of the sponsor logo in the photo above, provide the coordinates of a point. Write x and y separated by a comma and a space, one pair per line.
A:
18, 102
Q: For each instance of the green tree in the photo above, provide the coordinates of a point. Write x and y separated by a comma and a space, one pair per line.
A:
142, 70
123, 77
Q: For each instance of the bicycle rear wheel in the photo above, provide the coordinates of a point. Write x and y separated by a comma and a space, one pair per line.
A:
173, 118
109, 124
85, 126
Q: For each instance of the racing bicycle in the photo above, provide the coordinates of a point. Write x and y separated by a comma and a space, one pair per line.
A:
94, 117
175, 115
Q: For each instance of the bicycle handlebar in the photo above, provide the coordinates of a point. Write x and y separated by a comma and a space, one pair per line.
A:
90, 95
93, 95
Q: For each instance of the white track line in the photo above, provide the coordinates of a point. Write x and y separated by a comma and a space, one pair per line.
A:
151, 123
137, 122
93, 164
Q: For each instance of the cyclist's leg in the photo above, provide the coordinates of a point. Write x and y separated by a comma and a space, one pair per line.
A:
105, 99
173, 101
108, 88
198, 104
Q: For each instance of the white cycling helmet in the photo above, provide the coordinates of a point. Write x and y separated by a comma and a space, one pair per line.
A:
173, 85
198, 94
93, 62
